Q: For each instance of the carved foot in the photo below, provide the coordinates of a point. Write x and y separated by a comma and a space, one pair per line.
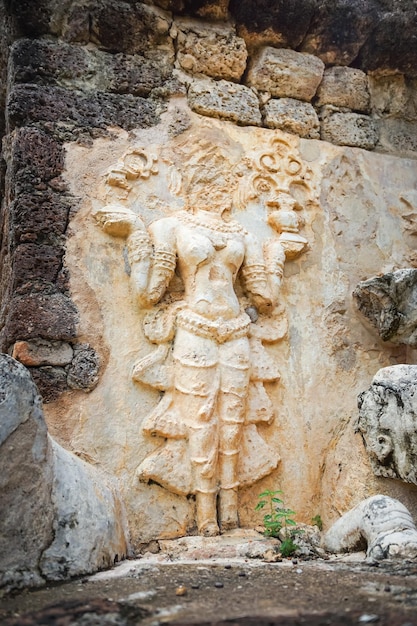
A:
228, 509
207, 514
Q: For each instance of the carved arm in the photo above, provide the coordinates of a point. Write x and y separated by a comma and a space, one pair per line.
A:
262, 272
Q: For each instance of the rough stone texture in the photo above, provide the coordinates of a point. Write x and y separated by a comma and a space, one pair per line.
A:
29, 104
339, 29
44, 62
389, 303
397, 136
344, 87
348, 129
84, 369
60, 517
226, 101
140, 28
210, 9
49, 315
51, 381
392, 44
393, 96
285, 73
383, 523
292, 116
89, 530
42, 352
215, 51
25, 480
387, 422
280, 23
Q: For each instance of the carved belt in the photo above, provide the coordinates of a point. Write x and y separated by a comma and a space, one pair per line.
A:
220, 331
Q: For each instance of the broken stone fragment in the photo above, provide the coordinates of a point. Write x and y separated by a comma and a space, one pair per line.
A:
213, 50
387, 422
84, 369
344, 87
389, 303
292, 116
60, 517
383, 523
285, 73
348, 129
225, 100
38, 352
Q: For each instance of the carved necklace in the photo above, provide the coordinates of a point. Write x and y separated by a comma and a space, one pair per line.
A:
219, 232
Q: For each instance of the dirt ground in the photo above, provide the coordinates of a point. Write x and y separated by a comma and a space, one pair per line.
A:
225, 588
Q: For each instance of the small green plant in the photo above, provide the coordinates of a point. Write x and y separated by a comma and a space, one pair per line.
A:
317, 521
277, 519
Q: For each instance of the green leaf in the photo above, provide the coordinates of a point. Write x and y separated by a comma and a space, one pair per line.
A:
260, 505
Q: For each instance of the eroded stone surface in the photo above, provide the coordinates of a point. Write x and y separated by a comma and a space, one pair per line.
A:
292, 116
26, 478
348, 129
60, 517
215, 51
344, 87
387, 422
388, 302
285, 73
226, 101
42, 352
383, 523
397, 136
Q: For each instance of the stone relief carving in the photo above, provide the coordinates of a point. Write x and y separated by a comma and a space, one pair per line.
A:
387, 422
209, 288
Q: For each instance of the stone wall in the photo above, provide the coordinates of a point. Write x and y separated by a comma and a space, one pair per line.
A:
82, 82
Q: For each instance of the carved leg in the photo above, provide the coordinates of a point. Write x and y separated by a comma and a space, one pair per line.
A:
234, 382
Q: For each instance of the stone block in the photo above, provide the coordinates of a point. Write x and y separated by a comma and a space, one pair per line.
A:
60, 517
292, 116
389, 303
391, 45
45, 62
141, 29
210, 9
393, 96
285, 73
36, 158
47, 315
213, 50
38, 352
31, 103
398, 137
83, 372
26, 520
344, 87
226, 101
51, 381
33, 262
339, 29
39, 217
280, 23
348, 129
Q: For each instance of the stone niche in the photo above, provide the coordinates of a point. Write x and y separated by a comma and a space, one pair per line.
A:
323, 216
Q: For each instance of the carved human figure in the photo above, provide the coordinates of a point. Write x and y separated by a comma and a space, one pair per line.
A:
210, 360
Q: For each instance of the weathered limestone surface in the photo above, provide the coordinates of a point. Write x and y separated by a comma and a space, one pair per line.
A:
285, 73
315, 406
393, 96
383, 523
389, 303
387, 422
397, 136
42, 352
226, 101
60, 517
26, 478
292, 116
344, 87
348, 129
211, 50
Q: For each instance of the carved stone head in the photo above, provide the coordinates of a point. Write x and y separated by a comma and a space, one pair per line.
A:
388, 422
